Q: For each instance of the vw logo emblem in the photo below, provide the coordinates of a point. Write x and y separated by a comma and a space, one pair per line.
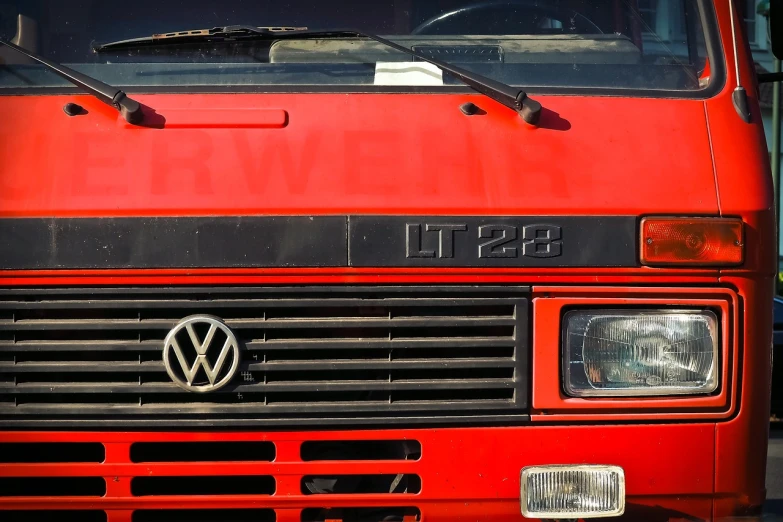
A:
201, 354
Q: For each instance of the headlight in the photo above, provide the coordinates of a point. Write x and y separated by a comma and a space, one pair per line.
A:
644, 352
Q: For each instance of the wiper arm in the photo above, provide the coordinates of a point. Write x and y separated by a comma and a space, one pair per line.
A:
512, 97
128, 107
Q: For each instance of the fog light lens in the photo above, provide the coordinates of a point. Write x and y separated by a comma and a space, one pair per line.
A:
572, 491
636, 353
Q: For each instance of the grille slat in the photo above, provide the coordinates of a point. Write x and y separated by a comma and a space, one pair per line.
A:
311, 344
102, 367
163, 388
79, 346
199, 305
146, 367
258, 408
94, 356
348, 322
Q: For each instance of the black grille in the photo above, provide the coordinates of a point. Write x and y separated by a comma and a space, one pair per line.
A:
309, 356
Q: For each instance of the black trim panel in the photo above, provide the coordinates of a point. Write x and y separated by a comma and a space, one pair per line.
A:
223, 242
321, 241
312, 424
483, 242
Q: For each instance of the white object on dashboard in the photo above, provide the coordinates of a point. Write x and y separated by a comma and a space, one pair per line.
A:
407, 73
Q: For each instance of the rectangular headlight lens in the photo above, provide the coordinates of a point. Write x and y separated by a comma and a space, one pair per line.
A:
571, 492
645, 352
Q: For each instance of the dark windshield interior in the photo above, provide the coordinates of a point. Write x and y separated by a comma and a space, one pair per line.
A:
597, 44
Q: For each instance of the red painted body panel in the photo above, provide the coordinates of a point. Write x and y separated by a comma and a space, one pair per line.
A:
550, 403
740, 152
317, 154
465, 473
343, 154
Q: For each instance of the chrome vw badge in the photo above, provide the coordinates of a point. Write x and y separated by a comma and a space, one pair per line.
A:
201, 354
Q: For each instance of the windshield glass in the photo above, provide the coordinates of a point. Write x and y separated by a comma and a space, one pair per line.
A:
604, 45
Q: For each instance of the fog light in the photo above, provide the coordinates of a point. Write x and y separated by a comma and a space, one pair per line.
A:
572, 491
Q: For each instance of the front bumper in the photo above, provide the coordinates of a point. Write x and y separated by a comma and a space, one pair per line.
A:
464, 474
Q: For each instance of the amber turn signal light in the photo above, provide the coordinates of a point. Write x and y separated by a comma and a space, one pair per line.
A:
692, 241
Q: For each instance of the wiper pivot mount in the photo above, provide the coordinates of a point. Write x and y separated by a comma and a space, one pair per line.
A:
128, 107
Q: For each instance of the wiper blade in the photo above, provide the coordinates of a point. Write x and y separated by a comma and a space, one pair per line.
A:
512, 97
229, 33
128, 107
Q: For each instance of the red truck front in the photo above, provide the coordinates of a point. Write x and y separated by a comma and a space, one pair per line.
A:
279, 270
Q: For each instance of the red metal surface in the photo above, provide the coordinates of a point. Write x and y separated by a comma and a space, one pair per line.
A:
739, 477
417, 154
341, 154
350, 276
479, 467
670, 466
357, 276
740, 155
550, 402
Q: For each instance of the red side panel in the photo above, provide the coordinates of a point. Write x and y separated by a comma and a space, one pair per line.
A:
744, 185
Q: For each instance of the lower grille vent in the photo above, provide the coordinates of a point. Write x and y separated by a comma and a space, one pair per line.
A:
192, 485
225, 476
202, 452
204, 515
361, 450
52, 487
75, 515
64, 452
381, 514
360, 484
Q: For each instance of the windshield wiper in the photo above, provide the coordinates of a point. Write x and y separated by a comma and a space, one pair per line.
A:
512, 97
128, 107
229, 33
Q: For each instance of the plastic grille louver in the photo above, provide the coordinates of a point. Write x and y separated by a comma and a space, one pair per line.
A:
323, 355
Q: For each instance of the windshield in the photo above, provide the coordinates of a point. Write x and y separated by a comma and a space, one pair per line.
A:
604, 45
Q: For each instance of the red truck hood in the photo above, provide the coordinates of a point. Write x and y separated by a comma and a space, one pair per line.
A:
361, 153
